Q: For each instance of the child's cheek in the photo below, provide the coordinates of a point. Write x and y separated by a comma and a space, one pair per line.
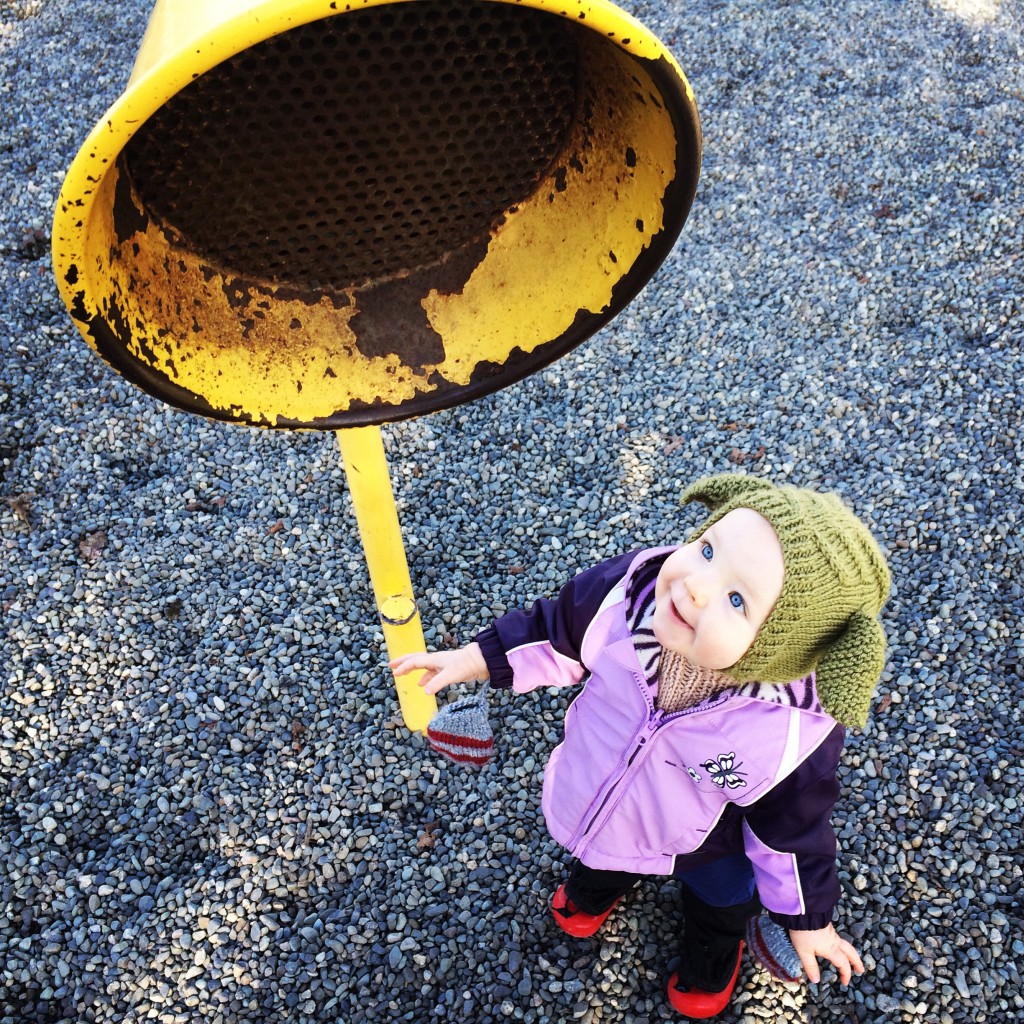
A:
746, 636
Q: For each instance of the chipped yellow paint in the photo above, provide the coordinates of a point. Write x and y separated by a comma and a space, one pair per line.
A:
248, 348
260, 352
522, 293
264, 353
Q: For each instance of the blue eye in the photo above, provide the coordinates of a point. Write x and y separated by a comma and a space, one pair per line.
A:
707, 551
736, 600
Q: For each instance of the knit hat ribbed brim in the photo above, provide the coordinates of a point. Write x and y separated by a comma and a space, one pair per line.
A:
461, 731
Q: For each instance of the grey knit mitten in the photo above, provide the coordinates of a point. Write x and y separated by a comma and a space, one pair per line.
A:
462, 732
769, 945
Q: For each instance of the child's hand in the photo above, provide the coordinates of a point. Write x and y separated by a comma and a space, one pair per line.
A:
443, 668
826, 943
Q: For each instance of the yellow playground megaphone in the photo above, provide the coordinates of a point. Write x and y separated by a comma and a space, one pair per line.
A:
329, 214
314, 213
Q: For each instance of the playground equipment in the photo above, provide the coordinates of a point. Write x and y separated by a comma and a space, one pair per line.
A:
317, 214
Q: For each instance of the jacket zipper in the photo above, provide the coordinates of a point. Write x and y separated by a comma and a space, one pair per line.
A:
640, 741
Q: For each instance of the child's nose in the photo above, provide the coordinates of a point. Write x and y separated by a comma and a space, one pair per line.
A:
698, 593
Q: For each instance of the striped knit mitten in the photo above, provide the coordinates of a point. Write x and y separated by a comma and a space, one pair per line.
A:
462, 732
769, 945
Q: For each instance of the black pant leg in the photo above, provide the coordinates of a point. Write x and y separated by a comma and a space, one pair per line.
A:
594, 890
711, 940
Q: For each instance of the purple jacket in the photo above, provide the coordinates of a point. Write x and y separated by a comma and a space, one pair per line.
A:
631, 788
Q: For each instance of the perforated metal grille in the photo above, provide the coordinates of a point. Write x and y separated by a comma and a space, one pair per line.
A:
362, 145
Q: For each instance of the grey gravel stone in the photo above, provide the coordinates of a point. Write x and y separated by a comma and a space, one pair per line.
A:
209, 809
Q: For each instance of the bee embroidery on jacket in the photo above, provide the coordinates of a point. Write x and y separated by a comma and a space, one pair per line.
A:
724, 773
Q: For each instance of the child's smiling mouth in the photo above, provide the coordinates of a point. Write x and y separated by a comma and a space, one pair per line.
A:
677, 616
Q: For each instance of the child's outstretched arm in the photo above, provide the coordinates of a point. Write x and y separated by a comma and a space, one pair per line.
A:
830, 945
442, 668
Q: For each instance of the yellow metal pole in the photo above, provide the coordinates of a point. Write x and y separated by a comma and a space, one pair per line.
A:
366, 467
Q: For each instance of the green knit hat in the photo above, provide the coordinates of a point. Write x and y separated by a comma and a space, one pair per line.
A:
836, 582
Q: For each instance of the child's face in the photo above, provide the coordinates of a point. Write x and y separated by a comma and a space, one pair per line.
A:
714, 594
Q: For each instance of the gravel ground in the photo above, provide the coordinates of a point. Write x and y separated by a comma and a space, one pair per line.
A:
210, 809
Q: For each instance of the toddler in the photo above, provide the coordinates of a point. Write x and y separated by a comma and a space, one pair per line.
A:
719, 678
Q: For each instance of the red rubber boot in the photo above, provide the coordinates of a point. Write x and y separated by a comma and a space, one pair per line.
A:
574, 921
698, 1004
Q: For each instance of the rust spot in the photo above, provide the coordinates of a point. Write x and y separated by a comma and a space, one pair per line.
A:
238, 295
117, 323
77, 309
391, 319
129, 219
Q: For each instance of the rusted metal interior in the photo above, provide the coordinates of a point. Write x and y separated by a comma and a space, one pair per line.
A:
364, 146
376, 214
